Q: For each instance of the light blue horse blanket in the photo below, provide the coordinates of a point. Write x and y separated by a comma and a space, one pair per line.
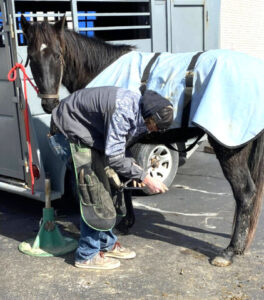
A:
228, 92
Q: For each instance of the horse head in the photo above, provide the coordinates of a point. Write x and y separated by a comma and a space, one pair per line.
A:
45, 54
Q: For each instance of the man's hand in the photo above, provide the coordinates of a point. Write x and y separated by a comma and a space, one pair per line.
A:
154, 185
137, 184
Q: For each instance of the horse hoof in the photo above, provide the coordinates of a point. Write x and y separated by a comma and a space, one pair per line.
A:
220, 261
131, 221
122, 227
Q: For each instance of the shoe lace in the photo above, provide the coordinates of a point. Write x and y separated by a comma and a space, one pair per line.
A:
101, 254
117, 246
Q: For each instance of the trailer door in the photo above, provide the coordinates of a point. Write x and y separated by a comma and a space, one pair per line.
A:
11, 161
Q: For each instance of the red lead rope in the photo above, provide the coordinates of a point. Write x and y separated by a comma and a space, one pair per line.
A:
12, 75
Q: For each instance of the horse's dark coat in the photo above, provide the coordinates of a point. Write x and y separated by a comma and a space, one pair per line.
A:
85, 58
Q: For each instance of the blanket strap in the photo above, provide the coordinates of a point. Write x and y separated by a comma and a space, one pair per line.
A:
145, 76
188, 91
187, 95
187, 103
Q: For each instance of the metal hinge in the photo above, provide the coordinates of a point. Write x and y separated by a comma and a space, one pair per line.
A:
11, 27
15, 99
19, 100
26, 165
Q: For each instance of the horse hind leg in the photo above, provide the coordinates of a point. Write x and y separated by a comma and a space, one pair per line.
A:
236, 168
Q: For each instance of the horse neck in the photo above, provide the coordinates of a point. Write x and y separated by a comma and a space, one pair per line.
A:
88, 59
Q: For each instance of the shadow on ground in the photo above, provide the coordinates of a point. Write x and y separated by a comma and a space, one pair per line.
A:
20, 219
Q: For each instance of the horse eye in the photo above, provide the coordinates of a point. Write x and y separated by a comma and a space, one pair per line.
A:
57, 55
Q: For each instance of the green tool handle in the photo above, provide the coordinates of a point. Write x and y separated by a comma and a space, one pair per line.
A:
47, 193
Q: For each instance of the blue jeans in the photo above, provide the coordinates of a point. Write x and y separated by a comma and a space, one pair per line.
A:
60, 147
92, 242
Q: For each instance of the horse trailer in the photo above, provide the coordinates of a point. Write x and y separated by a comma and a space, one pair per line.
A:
150, 25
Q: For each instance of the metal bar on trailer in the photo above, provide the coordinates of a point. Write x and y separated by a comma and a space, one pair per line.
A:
108, 28
112, 14
74, 15
112, 1
114, 28
83, 0
31, 15
169, 29
42, 0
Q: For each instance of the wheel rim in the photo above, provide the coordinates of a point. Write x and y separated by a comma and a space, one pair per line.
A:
159, 162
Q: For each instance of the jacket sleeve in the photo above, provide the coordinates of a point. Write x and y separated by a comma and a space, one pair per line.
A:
126, 167
123, 123
116, 134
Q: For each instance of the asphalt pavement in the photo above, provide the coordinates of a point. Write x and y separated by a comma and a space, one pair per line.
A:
175, 236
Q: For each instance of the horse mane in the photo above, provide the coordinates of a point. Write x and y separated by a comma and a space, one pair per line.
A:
92, 53
86, 57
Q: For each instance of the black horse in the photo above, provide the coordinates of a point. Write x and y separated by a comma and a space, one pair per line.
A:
58, 55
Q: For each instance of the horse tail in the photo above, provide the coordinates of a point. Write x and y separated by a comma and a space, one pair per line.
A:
256, 167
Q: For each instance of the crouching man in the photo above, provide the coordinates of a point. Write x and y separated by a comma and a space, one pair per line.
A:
98, 123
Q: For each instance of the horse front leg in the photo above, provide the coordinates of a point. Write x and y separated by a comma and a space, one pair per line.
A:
129, 219
234, 163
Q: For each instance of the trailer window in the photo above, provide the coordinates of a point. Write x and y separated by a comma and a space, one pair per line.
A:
38, 11
108, 20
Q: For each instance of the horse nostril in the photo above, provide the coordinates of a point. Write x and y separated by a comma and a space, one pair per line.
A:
47, 109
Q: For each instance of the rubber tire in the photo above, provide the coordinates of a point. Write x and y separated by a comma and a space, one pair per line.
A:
142, 153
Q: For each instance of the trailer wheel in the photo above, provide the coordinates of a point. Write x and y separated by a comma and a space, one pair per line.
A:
158, 160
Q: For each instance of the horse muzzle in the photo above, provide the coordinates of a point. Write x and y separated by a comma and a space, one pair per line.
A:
49, 103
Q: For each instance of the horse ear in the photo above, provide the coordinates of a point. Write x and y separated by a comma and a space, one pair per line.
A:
59, 26
25, 25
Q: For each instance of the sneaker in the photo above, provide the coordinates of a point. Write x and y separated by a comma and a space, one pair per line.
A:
99, 262
120, 252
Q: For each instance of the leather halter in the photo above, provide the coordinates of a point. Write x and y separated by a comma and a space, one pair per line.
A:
52, 96
48, 96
